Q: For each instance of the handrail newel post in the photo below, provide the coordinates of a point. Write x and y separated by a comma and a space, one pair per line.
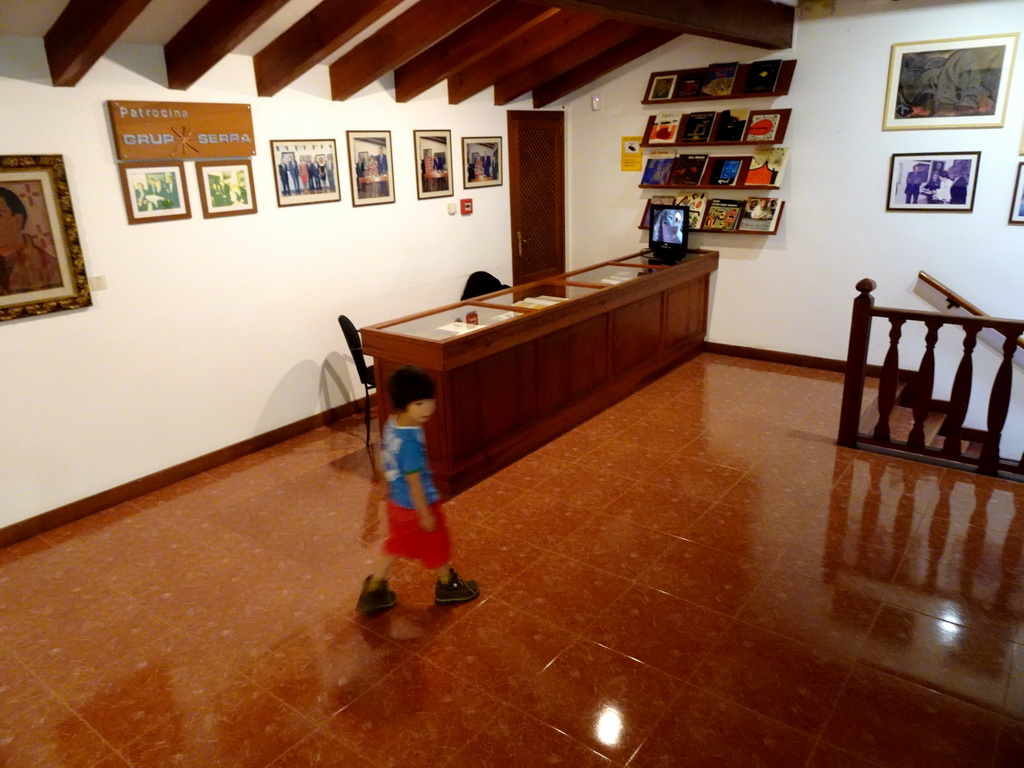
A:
856, 364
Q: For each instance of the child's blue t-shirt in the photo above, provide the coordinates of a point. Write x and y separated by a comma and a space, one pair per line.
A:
405, 453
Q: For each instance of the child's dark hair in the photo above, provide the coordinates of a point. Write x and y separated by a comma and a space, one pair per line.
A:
409, 384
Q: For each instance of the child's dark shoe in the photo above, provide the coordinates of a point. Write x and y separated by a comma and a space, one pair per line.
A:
454, 589
374, 599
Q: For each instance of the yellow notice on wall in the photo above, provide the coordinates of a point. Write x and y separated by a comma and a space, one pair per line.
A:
632, 154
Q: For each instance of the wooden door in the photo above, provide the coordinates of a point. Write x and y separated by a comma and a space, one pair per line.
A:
536, 173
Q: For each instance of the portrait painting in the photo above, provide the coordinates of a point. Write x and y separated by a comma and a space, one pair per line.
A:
433, 151
955, 83
937, 182
662, 87
155, 192
226, 188
41, 265
370, 167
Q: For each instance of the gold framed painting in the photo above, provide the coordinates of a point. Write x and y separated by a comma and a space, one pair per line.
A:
953, 83
41, 265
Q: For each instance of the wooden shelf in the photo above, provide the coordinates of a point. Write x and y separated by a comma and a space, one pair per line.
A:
782, 85
705, 179
761, 187
778, 220
780, 133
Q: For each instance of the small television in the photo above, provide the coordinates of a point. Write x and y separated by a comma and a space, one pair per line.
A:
668, 234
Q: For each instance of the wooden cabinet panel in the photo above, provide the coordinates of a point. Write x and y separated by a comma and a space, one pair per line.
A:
635, 333
588, 356
686, 309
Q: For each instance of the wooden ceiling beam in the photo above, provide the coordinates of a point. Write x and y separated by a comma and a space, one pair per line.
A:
313, 38
638, 45
400, 41
216, 30
553, 33
484, 34
83, 32
758, 23
593, 43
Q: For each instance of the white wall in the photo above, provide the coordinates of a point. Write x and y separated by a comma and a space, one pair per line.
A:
215, 330
793, 292
212, 331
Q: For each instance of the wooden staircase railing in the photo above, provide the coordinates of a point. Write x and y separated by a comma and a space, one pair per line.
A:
969, 449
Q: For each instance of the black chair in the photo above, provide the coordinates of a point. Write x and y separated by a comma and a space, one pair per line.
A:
480, 283
366, 373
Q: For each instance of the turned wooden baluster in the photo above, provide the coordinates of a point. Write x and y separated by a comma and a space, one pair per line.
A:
999, 405
856, 364
889, 379
961, 394
923, 384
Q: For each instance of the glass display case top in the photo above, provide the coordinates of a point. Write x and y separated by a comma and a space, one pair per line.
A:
451, 323
609, 274
541, 296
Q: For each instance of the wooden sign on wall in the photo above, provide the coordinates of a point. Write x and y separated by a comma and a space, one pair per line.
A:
175, 130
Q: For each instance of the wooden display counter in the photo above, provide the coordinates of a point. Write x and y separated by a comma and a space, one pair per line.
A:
514, 369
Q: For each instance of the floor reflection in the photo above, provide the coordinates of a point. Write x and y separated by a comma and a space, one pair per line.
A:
697, 576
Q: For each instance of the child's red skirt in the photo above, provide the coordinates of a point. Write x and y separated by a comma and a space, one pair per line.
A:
407, 540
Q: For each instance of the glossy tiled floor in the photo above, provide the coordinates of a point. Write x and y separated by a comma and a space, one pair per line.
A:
696, 577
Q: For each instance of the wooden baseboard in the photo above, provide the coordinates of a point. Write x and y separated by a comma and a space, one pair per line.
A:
26, 529
772, 356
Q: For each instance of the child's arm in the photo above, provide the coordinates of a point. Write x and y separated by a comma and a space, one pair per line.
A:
419, 497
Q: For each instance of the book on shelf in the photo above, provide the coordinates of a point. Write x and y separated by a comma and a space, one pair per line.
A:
688, 170
724, 171
658, 170
762, 76
688, 86
696, 202
731, 124
767, 165
665, 128
719, 78
722, 215
762, 126
760, 214
698, 126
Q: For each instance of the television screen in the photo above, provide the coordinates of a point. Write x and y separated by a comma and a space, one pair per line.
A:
669, 232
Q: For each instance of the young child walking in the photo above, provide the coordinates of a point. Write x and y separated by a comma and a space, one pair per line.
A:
416, 522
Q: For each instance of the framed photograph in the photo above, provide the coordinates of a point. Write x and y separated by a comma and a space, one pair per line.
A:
41, 264
1017, 204
226, 188
155, 192
662, 87
433, 151
369, 165
305, 171
955, 83
481, 159
937, 181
